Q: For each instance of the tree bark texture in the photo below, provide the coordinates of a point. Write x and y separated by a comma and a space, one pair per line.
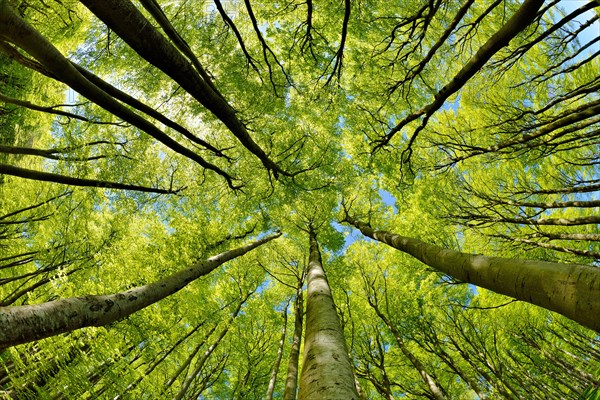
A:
275, 371
572, 290
326, 367
21, 324
291, 382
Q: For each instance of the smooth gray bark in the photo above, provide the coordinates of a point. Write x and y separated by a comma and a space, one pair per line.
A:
275, 371
291, 382
21, 324
572, 290
326, 367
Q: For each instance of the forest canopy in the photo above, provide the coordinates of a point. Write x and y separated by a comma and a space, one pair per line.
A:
300, 199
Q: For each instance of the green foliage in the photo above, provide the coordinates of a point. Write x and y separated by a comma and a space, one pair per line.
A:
507, 166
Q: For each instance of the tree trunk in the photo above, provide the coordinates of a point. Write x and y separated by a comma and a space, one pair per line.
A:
130, 25
16, 30
291, 382
21, 324
200, 363
572, 290
429, 380
326, 368
275, 371
157, 362
191, 355
67, 180
521, 19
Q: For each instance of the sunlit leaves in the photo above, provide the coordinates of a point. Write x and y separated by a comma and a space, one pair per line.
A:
515, 145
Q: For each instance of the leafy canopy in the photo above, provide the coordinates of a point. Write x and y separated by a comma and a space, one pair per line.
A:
170, 132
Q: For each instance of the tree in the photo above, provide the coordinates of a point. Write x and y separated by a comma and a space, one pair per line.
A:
570, 289
30, 322
326, 367
138, 140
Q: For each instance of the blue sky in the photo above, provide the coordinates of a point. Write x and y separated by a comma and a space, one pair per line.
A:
591, 32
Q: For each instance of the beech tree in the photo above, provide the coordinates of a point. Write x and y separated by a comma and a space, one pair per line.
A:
336, 199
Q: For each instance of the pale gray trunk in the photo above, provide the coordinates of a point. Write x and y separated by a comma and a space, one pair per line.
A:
326, 367
202, 361
275, 371
186, 363
16, 30
291, 383
21, 324
572, 290
359, 390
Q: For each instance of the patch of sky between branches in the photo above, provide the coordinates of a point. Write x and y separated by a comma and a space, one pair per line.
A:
388, 199
352, 233
452, 105
591, 32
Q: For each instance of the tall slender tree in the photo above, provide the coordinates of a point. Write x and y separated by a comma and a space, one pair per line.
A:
27, 323
326, 368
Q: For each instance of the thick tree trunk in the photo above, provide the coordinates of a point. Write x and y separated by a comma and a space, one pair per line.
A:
130, 24
572, 290
21, 324
16, 30
326, 367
